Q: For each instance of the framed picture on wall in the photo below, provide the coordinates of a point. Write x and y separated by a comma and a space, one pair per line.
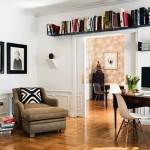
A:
1, 57
110, 60
16, 58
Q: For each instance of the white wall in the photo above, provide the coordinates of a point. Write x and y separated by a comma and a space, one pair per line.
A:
17, 27
61, 78
63, 47
143, 57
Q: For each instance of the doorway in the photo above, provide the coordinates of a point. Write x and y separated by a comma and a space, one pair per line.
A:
82, 82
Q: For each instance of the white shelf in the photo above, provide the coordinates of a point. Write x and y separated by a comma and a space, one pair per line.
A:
52, 63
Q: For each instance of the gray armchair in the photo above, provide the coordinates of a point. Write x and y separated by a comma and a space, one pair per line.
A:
38, 117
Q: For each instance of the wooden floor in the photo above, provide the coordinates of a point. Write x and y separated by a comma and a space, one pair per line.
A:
94, 132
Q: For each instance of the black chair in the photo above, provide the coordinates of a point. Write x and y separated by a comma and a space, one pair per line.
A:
98, 92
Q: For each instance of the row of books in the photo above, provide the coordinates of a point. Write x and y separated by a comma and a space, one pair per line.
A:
110, 20
7, 125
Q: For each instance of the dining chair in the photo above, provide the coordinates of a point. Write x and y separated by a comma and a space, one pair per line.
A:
129, 119
98, 91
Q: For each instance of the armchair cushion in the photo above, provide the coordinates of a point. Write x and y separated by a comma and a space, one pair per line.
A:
31, 95
36, 114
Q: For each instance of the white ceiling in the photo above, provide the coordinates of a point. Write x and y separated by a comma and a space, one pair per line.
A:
42, 7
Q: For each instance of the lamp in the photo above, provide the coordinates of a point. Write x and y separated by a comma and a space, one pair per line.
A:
114, 88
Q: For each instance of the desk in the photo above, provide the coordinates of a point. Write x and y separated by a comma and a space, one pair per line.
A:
132, 102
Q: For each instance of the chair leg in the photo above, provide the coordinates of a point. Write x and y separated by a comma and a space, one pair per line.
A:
119, 129
95, 100
127, 132
144, 133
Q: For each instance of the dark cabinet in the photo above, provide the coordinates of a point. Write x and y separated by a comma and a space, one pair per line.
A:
98, 78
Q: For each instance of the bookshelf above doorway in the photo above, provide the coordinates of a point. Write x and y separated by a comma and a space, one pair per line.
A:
105, 30
111, 21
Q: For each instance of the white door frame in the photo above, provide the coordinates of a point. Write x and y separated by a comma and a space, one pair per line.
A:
74, 52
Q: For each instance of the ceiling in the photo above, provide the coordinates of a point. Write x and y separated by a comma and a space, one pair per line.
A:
42, 7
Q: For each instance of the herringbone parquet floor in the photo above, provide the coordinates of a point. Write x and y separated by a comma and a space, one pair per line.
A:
94, 132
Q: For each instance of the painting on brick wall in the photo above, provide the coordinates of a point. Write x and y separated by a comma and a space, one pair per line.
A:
110, 60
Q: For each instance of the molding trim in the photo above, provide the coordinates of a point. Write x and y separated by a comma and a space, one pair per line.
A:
61, 95
68, 7
80, 105
65, 99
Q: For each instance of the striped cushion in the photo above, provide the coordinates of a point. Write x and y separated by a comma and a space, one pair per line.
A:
31, 95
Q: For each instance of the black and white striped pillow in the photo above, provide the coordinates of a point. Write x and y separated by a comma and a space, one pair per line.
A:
31, 95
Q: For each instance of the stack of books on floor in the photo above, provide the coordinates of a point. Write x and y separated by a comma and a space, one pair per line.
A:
7, 125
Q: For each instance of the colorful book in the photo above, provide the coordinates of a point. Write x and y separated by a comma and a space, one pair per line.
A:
55, 29
118, 18
143, 16
149, 15
122, 17
8, 125
107, 23
125, 19
81, 29
114, 20
99, 23
75, 25
85, 24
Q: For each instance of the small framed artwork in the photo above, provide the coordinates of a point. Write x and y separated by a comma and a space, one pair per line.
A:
16, 58
110, 60
1, 57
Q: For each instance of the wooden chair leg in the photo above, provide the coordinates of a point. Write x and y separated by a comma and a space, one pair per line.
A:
127, 132
95, 100
143, 133
119, 129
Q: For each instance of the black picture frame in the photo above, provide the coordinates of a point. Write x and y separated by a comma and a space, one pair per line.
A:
1, 57
16, 58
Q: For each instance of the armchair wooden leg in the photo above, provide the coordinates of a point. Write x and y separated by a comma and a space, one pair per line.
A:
61, 131
32, 135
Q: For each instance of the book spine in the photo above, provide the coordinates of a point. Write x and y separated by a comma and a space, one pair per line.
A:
149, 15
81, 29
63, 27
121, 17
110, 19
99, 23
48, 30
85, 24
135, 17
107, 20
114, 20
96, 22
126, 23
9, 125
143, 16
118, 18
138, 17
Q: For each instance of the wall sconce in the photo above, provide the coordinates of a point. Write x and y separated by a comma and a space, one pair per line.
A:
51, 56
52, 61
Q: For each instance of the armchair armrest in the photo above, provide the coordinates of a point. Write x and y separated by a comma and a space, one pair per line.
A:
19, 105
51, 102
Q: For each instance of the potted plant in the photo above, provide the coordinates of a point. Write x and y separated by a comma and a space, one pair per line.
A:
132, 82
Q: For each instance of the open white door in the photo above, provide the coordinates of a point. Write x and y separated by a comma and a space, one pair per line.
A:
80, 86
